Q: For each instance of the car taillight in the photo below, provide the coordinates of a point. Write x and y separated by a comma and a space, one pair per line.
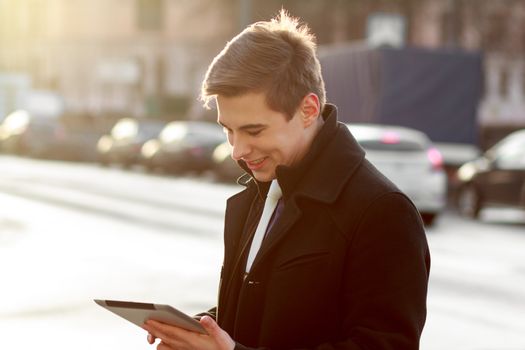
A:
196, 151
435, 158
390, 138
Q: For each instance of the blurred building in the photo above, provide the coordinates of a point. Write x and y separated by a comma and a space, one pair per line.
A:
131, 57
498, 29
148, 57
494, 27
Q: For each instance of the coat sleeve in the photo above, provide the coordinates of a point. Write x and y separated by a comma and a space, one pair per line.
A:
385, 279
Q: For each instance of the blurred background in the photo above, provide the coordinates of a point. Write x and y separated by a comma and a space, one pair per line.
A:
113, 177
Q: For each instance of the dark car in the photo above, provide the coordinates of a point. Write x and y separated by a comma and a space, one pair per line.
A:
46, 137
183, 146
124, 142
19, 129
495, 179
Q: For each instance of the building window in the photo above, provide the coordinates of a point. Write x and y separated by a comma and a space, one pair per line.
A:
504, 83
149, 14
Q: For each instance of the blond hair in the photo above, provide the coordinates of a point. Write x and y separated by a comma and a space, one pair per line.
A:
277, 57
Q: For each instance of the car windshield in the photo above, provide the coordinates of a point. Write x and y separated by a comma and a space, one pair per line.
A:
510, 152
150, 130
383, 138
401, 145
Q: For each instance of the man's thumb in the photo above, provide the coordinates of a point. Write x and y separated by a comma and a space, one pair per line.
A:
209, 325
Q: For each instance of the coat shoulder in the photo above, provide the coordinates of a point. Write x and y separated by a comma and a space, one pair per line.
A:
368, 193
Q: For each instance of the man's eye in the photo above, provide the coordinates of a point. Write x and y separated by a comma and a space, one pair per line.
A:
254, 133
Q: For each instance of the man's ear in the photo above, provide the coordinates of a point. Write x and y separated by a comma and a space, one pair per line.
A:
310, 109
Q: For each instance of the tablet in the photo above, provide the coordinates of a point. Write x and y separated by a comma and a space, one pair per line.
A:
139, 313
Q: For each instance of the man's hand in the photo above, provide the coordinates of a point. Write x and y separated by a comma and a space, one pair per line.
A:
178, 338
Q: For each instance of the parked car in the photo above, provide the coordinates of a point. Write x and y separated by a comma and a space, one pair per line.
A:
183, 146
12, 130
124, 142
46, 137
497, 178
80, 142
225, 167
407, 157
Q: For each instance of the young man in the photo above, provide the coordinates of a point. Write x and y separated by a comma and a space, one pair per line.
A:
341, 259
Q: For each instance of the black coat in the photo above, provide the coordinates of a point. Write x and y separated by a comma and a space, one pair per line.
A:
345, 266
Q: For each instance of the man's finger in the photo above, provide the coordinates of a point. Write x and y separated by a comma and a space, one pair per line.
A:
220, 337
169, 335
164, 346
166, 330
154, 333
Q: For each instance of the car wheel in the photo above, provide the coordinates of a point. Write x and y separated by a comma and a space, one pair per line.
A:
469, 201
148, 165
428, 218
126, 164
103, 160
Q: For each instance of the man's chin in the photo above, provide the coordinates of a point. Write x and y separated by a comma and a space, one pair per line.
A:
263, 176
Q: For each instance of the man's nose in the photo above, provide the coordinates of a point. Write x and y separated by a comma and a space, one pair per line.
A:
239, 149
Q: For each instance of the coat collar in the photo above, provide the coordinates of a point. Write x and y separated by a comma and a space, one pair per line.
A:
321, 175
332, 159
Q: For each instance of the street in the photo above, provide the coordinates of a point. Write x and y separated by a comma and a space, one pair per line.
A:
71, 233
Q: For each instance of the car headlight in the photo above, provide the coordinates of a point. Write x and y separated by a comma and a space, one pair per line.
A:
150, 148
221, 152
104, 144
466, 172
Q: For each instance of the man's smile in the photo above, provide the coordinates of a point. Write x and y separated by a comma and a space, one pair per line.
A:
256, 164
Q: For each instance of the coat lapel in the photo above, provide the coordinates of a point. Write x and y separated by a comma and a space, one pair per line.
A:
314, 184
334, 148
237, 210
288, 218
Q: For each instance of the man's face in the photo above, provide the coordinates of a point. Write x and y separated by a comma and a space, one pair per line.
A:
260, 136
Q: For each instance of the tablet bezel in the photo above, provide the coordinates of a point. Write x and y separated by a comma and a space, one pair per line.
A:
138, 313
